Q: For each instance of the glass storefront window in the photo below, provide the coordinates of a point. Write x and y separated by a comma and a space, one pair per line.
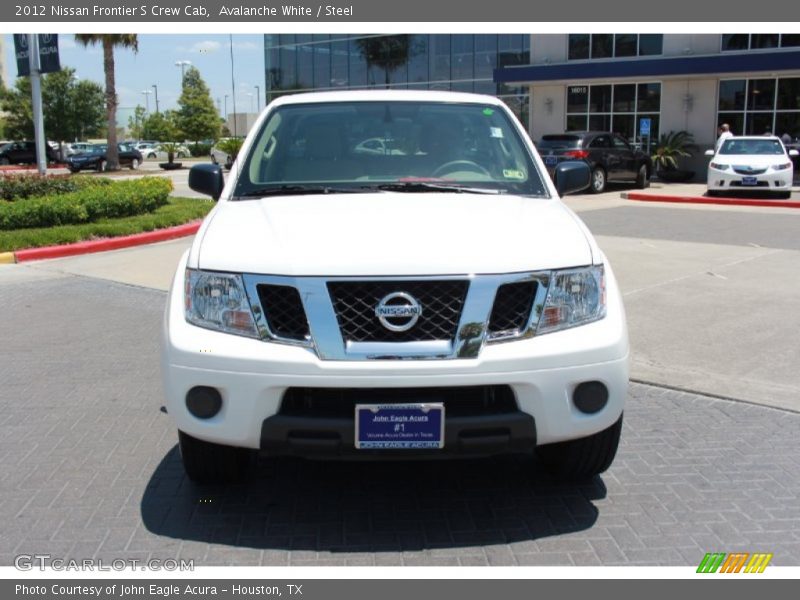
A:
440, 58
625, 44
758, 41
761, 94
617, 108
651, 44
600, 98
578, 46
577, 98
485, 56
583, 46
732, 94
772, 105
602, 45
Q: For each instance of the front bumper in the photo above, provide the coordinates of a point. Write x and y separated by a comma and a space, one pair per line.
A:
252, 377
770, 181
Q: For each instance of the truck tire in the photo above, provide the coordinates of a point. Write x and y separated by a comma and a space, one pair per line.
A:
206, 462
582, 459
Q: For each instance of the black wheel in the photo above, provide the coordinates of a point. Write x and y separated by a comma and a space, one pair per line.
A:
134, 164
213, 159
642, 180
598, 180
72, 170
206, 462
583, 458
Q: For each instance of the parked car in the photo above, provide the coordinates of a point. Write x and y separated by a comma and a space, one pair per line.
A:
609, 156
751, 164
95, 158
24, 153
434, 304
158, 152
76, 147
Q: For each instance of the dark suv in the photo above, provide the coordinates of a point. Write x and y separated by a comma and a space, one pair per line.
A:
16, 153
609, 155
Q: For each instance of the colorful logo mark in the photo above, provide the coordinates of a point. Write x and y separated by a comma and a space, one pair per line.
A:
735, 562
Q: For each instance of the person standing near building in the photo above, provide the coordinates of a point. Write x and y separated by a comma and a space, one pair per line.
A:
724, 134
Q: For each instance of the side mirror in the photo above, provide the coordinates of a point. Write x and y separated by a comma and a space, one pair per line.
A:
572, 176
710, 153
207, 179
794, 152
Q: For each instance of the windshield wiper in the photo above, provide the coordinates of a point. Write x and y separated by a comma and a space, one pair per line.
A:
426, 186
299, 190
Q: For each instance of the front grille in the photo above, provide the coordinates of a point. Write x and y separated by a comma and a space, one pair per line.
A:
284, 311
749, 170
327, 403
354, 303
512, 308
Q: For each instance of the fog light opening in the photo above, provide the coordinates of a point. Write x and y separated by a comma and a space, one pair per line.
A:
203, 402
590, 397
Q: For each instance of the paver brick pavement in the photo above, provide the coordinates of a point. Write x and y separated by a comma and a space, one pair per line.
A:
91, 470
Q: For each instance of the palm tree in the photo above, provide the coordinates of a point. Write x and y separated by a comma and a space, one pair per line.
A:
109, 42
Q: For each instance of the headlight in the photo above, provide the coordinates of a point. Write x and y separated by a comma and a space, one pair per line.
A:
218, 301
782, 166
575, 297
719, 166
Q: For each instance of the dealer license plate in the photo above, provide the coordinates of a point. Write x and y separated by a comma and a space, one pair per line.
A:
400, 426
749, 180
550, 160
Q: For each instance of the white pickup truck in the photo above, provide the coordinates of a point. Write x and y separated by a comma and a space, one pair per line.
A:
433, 299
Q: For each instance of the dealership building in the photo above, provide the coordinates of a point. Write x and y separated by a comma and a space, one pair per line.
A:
626, 83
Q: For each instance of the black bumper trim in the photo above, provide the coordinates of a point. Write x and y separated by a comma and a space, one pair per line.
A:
485, 435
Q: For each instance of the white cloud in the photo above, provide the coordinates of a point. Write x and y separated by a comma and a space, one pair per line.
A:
205, 47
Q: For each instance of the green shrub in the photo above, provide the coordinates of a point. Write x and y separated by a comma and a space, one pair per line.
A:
20, 187
107, 201
200, 150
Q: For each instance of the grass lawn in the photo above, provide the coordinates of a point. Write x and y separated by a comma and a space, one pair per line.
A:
177, 212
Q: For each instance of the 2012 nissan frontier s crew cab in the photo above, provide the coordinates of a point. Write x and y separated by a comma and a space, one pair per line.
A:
391, 274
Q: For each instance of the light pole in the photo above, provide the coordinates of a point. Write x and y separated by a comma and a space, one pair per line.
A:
183, 64
155, 87
146, 100
258, 99
225, 116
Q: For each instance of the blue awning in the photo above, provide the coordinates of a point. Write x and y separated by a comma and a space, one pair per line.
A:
652, 67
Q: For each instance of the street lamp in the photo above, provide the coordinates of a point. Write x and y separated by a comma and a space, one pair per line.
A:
258, 98
183, 64
155, 87
146, 100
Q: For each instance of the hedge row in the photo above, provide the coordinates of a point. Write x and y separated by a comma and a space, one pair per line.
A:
114, 200
20, 187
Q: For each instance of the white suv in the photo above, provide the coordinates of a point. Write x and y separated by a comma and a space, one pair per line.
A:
437, 300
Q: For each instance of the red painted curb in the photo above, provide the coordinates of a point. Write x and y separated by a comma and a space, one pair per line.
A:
137, 239
704, 200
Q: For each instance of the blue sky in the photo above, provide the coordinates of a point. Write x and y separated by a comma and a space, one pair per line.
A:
155, 64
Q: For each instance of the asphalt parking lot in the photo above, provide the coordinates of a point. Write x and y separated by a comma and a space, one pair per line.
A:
91, 469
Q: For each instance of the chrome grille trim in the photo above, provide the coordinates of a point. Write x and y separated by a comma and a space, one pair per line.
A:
326, 340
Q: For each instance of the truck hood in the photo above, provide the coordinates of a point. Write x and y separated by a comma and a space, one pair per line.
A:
391, 234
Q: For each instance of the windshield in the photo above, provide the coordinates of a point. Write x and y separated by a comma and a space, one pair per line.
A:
395, 145
559, 141
750, 146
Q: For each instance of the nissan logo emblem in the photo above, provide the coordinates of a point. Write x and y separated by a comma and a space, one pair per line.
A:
398, 311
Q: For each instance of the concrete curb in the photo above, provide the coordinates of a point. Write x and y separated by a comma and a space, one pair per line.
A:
102, 245
642, 197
